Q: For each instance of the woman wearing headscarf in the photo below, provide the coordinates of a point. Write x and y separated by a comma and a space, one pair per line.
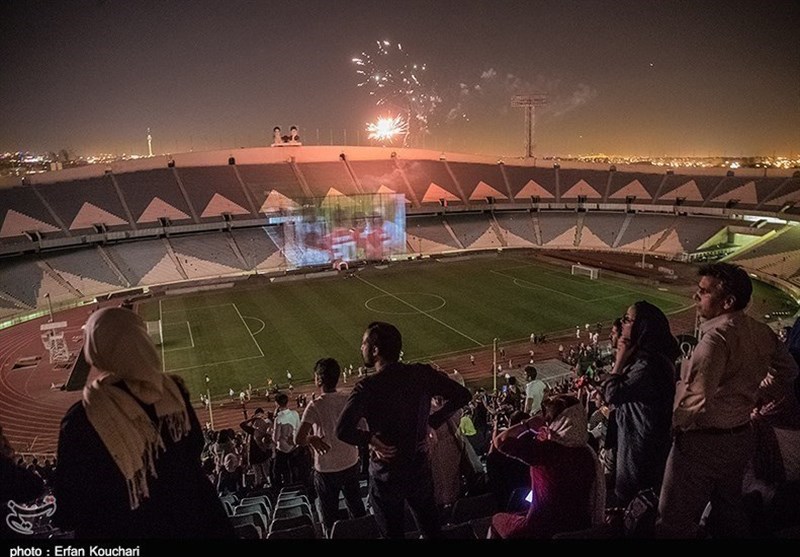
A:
129, 451
642, 389
567, 486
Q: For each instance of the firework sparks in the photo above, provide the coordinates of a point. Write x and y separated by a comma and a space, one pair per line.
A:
386, 129
395, 81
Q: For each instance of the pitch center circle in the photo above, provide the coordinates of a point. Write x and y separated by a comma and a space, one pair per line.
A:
405, 303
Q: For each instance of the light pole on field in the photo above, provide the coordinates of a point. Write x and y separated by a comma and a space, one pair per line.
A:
494, 363
208, 399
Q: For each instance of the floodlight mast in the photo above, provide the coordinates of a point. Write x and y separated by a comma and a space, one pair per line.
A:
529, 103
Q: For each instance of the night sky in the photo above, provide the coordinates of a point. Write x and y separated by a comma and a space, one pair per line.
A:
623, 77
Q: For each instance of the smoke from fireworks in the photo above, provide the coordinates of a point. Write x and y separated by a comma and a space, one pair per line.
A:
407, 88
386, 129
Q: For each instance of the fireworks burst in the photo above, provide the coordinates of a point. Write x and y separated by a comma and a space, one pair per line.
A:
385, 129
395, 81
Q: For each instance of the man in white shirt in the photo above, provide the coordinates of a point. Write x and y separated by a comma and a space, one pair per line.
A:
287, 422
335, 462
736, 360
534, 391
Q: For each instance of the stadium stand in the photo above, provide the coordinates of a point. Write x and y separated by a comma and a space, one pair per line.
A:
21, 211
153, 194
588, 183
527, 182
83, 203
209, 207
258, 250
429, 235
145, 262
600, 230
516, 228
85, 270
206, 255
272, 186
322, 177
214, 190
480, 181
474, 231
430, 182
558, 228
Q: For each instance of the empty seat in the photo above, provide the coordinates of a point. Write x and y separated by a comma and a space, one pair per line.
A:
257, 499
305, 532
295, 510
291, 522
254, 519
362, 528
248, 532
245, 508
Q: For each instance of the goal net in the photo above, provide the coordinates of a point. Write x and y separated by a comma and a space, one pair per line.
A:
155, 332
591, 272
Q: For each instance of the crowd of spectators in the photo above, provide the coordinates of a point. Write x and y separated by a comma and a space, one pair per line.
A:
645, 438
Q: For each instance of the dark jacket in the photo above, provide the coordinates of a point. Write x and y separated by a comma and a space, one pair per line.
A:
642, 395
92, 494
396, 404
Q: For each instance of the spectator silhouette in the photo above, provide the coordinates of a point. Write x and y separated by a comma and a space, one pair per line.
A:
568, 491
504, 473
720, 382
642, 389
277, 138
129, 451
335, 462
395, 402
287, 422
534, 391
260, 447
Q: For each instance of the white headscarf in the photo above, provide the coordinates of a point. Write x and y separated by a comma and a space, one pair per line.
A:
117, 344
570, 428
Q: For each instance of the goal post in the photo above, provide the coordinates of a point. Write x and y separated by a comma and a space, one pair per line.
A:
584, 270
155, 332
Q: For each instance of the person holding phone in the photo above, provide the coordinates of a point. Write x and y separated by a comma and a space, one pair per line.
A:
566, 479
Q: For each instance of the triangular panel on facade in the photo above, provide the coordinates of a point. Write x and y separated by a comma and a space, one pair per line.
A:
383, 189
644, 242
90, 214
484, 190
163, 271
436, 192
688, 191
581, 187
16, 224
592, 240
220, 204
793, 196
533, 189
671, 244
634, 188
566, 238
276, 201
87, 285
746, 193
158, 208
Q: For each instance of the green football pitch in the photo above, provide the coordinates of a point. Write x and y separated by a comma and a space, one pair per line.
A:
248, 334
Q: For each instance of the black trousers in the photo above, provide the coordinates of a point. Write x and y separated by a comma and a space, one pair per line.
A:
328, 486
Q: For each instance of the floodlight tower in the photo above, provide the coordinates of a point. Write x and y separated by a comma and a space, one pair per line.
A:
529, 103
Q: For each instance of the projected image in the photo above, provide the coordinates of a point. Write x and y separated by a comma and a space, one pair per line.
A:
342, 228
